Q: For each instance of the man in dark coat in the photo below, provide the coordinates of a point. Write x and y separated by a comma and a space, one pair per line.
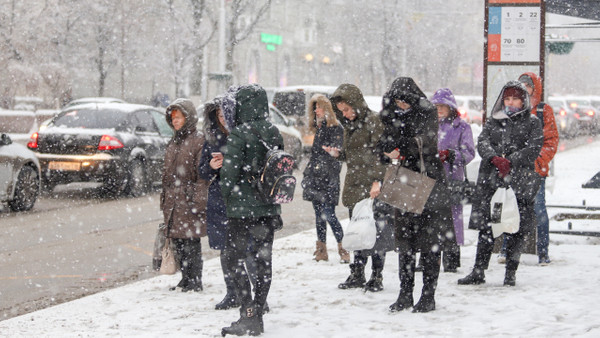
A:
406, 116
252, 222
509, 144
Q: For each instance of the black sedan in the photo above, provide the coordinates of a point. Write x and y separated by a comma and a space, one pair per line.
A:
120, 145
19, 175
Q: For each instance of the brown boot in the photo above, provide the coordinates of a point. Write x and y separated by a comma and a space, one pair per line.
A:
344, 254
321, 253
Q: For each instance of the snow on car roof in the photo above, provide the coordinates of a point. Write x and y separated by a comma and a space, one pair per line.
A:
125, 107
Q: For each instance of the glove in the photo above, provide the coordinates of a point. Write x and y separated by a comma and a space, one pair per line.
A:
447, 155
502, 164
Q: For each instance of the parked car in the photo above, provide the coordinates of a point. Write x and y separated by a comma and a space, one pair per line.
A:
573, 116
120, 145
19, 175
470, 108
85, 100
292, 101
292, 139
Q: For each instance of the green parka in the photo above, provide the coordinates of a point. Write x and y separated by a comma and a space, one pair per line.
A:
360, 145
244, 153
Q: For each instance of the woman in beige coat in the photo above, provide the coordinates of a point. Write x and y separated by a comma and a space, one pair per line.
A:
184, 193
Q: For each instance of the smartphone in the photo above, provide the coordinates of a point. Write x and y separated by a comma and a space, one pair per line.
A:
216, 155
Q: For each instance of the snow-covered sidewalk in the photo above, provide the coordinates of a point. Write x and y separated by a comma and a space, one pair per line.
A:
555, 300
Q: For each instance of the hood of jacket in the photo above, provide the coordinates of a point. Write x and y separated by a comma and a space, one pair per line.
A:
352, 95
404, 89
244, 104
536, 97
498, 109
188, 110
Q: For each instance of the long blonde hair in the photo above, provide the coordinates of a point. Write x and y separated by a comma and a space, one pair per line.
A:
323, 102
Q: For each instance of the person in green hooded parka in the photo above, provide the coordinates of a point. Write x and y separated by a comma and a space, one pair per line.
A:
252, 222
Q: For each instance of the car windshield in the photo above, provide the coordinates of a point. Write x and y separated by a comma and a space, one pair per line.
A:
90, 118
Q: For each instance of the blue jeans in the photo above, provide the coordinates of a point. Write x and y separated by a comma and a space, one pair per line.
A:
543, 223
326, 213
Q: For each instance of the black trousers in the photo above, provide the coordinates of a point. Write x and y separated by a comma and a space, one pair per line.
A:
250, 240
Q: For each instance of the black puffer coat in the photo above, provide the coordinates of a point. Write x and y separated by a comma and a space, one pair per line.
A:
321, 180
518, 138
434, 226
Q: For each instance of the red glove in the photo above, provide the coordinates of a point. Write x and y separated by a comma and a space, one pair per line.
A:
502, 164
446, 155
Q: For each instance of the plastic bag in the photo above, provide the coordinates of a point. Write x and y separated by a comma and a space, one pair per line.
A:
361, 232
504, 212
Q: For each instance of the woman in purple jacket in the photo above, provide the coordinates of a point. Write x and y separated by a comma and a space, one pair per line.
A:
456, 150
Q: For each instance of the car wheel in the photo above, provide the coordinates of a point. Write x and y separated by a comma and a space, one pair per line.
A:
26, 190
137, 183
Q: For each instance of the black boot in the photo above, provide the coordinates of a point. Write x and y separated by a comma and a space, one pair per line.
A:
230, 301
194, 266
510, 278
404, 301
182, 283
250, 322
375, 283
406, 273
431, 272
476, 277
356, 278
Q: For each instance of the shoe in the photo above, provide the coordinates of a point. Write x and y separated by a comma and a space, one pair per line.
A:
502, 258
344, 254
375, 283
250, 323
510, 278
356, 278
230, 301
402, 303
321, 252
182, 283
476, 277
425, 304
194, 288
544, 261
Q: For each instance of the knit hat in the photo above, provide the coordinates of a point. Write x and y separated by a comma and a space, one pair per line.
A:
444, 96
514, 92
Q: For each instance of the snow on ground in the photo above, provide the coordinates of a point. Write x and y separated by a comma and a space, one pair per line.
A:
555, 300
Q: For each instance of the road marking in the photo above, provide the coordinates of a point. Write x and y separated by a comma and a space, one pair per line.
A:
138, 249
40, 277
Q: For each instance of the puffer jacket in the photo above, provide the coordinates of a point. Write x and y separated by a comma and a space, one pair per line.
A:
184, 193
360, 145
550, 145
245, 154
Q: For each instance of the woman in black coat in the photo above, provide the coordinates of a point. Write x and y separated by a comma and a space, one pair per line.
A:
321, 182
407, 115
509, 144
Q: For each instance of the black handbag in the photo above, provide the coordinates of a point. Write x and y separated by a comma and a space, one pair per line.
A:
461, 191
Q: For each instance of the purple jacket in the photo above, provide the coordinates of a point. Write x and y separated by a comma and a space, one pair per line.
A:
456, 135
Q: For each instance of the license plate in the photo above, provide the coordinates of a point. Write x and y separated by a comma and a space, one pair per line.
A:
66, 166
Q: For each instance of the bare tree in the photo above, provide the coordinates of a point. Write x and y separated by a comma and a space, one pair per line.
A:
242, 19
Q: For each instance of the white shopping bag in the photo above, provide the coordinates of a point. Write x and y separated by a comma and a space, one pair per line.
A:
504, 212
361, 232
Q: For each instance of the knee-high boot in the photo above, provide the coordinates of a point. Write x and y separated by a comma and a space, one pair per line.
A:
431, 272
193, 268
230, 299
250, 322
406, 272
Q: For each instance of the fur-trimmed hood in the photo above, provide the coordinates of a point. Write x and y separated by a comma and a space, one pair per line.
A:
188, 110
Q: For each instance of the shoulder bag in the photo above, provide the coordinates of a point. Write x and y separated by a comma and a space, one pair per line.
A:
405, 189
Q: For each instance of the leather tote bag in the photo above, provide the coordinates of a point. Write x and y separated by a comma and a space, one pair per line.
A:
169, 264
405, 189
